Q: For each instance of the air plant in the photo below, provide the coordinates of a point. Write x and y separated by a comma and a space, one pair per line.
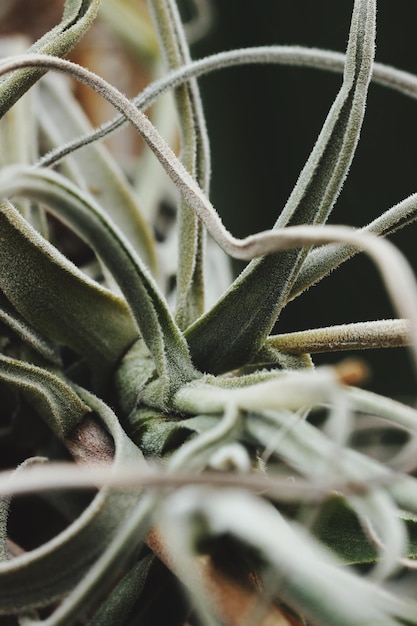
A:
186, 465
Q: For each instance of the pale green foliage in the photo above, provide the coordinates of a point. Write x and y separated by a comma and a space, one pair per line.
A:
95, 364
77, 18
60, 119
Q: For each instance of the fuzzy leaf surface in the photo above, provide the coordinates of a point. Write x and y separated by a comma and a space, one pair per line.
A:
5, 508
51, 396
339, 528
116, 608
57, 299
309, 580
38, 577
34, 339
237, 326
321, 261
195, 157
77, 18
94, 170
156, 325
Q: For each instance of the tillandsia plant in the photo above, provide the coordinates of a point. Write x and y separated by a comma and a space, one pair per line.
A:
168, 461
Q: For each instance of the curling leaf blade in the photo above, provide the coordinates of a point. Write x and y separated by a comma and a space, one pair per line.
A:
236, 327
57, 299
77, 18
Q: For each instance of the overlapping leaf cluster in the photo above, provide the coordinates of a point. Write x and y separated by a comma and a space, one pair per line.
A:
96, 367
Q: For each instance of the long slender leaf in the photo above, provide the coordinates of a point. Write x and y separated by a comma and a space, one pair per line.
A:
51, 396
44, 574
297, 56
339, 528
234, 330
61, 118
11, 318
18, 134
156, 325
119, 604
196, 159
5, 507
305, 576
357, 336
257, 244
77, 18
321, 261
17, 127
57, 299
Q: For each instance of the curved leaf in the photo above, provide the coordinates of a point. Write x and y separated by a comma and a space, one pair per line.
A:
11, 318
57, 299
297, 56
77, 18
119, 604
53, 398
338, 527
196, 159
5, 507
185, 183
231, 333
50, 571
291, 55
157, 327
321, 261
307, 578
356, 336
61, 118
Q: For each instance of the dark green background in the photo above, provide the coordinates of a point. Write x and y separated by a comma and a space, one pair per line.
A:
263, 121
